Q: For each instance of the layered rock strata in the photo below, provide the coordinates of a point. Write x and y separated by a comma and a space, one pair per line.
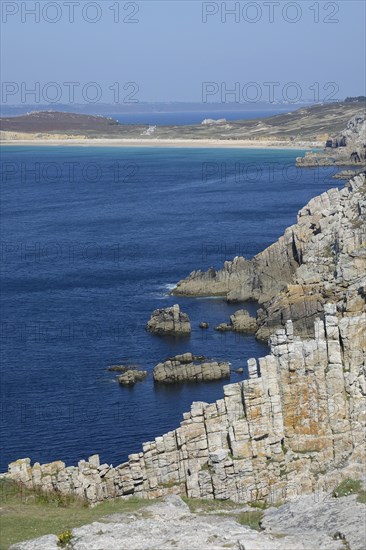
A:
296, 426
321, 258
190, 368
169, 321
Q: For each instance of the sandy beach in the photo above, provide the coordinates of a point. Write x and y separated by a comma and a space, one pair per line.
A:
168, 143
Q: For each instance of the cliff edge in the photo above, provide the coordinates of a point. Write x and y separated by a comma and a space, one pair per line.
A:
321, 258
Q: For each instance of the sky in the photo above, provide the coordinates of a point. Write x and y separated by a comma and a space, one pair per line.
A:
192, 51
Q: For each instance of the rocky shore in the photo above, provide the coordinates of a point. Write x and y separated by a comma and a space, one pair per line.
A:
297, 425
294, 429
348, 148
321, 258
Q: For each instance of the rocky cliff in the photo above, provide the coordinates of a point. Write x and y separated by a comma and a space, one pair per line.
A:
347, 148
321, 258
295, 426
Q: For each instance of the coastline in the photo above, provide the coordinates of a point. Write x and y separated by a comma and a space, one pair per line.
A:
165, 143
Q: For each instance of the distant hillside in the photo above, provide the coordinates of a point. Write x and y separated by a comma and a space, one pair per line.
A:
50, 121
314, 123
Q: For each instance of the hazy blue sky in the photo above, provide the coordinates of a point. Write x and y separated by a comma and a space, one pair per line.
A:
169, 52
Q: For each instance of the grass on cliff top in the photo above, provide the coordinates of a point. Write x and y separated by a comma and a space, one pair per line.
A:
202, 505
351, 487
26, 514
228, 508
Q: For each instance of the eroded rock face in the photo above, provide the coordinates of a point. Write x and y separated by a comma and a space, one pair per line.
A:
298, 422
321, 258
169, 321
190, 368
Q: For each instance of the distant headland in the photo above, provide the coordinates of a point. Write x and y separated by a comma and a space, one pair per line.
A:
307, 127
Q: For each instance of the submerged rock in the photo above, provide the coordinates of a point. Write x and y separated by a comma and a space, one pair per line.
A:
170, 320
130, 377
188, 367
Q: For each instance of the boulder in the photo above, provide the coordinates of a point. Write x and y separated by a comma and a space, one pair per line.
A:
203, 325
122, 368
169, 321
130, 377
240, 321
188, 367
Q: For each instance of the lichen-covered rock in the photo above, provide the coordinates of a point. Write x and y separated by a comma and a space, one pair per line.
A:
169, 321
187, 367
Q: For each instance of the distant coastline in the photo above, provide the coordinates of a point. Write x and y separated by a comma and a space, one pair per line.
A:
168, 143
304, 129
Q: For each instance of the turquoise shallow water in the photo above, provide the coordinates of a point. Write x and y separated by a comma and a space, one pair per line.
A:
92, 239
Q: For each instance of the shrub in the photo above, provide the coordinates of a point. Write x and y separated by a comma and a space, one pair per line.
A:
347, 487
64, 538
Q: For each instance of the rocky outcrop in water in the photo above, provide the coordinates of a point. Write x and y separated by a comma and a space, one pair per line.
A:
348, 148
130, 377
122, 368
190, 368
321, 258
169, 321
296, 426
240, 321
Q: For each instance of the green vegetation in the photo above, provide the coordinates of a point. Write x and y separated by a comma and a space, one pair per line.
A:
251, 519
27, 514
260, 504
201, 505
357, 99
351, 487
283, 447
227, 508
64, 538
169, 484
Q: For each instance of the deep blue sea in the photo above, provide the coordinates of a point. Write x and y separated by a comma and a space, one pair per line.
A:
181, 118
92, 239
